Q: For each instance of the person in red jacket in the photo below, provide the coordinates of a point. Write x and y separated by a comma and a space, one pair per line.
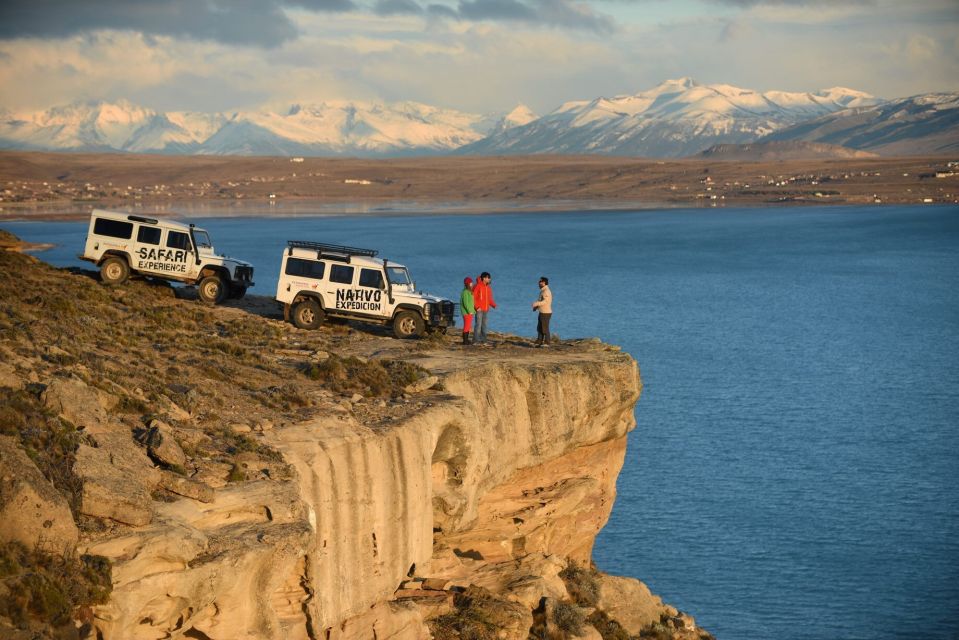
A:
483, 301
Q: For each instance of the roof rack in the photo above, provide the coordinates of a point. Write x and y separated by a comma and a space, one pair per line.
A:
336, 249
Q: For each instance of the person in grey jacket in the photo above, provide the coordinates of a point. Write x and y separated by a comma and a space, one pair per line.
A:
544, 304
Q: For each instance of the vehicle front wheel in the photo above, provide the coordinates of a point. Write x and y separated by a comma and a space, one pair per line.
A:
307, 314
114, 271
212, 289
408, 324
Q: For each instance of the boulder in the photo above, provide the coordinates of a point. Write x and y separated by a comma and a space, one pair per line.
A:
9, 377
83, 406
32, 512
118, 479
161, 445
422, 385
186, 487
172, 410
629, 602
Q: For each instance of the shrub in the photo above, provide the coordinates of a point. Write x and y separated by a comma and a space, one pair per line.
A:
49, 441
373, 378
581, 584
568, 618
49, 588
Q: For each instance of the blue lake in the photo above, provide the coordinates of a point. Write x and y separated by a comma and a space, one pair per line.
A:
795, 470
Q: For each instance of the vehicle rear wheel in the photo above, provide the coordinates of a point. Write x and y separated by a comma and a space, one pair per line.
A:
307, 314
408, 324
114, 271
237, 292
212, 289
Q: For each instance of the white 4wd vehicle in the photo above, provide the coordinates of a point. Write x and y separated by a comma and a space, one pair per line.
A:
121, 244
319, 280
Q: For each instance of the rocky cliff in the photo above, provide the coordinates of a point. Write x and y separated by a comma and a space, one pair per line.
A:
239, 478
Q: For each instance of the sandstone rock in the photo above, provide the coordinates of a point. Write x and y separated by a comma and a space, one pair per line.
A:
356, 397
629, 602
437, 584
75, 402
319, 355
239, 427
212, 473
187, 487
118, 478
32, 512
422, 385
9, 377
264, 425
171, 409
162, 446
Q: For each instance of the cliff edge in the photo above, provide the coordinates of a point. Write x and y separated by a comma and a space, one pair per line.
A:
172, 470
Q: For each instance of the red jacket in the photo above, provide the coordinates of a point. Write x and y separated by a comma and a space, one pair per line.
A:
483, 296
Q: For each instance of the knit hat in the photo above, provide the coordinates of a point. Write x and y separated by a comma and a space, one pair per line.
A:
467, 280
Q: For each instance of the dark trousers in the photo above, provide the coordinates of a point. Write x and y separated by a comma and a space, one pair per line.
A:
542, 328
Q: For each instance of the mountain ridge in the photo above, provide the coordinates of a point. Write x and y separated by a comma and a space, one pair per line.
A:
677, 118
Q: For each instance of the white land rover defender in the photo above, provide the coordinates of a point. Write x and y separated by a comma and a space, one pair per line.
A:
121, 244
319, 280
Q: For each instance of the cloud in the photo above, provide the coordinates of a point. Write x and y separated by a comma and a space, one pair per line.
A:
554, 13
261, 23
397, 7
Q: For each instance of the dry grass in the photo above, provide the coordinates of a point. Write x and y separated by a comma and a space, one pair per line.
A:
49, 441
49, 588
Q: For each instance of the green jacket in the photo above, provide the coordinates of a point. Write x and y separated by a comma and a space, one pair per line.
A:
466, 302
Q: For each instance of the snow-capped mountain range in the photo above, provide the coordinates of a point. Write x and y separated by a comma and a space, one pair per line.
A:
333, 128
677, 118
674, 119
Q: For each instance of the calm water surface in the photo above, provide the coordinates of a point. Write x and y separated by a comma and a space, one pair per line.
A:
794, 473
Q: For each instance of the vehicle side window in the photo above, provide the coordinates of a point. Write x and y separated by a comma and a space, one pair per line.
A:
177, 240
341, 273
148, 235
371, 278
305, 268
113, 228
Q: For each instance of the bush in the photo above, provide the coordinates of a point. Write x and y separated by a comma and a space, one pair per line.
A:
49, 441
581, 584
373, 378
49, 588
568, 618
607, 627
477, 615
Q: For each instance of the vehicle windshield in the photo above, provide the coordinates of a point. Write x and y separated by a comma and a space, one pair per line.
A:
398, 275
202, 239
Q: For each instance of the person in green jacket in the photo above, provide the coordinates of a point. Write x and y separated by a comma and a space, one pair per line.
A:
467, 308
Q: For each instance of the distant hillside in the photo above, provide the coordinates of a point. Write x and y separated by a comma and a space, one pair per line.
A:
780, 150
920, 125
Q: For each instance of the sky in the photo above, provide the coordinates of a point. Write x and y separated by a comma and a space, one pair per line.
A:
479, 56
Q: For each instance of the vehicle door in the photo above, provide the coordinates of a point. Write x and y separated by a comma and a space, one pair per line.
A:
175, 257
343, 290
372, 292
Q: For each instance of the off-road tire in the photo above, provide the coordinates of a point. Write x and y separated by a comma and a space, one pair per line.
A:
408, 324
307, 314
237, 293
212, 289
114, 271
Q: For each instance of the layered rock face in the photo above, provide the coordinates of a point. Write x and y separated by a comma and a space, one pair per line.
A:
504, 477
182, 471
